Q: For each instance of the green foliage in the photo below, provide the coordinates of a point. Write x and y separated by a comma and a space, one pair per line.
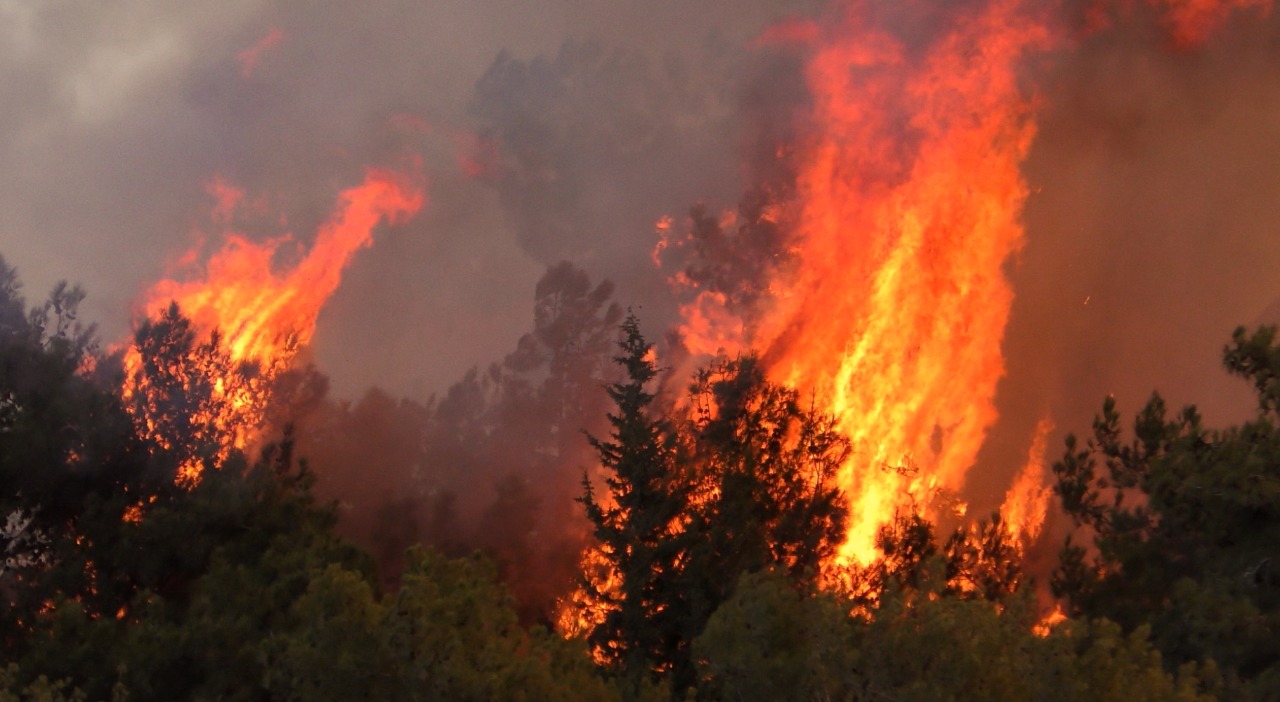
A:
116, 583
773, 641
1183, 522
457, 633
42, 690
255, 598
450, 633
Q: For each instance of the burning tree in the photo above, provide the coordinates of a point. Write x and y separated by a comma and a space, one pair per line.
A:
257, 317
740, 481
636, 602
187, 396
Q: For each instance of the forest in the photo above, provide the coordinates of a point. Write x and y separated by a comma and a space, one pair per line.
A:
567, 524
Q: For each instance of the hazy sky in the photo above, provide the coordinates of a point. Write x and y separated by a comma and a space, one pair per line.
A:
115, 116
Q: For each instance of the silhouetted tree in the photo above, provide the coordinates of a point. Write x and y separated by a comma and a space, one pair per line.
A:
1184, 522
71, 465
765, 496
183, 389
639, 527
743, 481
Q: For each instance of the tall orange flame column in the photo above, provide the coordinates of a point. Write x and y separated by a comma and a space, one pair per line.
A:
909, 198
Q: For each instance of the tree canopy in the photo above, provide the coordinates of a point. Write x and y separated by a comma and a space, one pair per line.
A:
714, 517
1182, 523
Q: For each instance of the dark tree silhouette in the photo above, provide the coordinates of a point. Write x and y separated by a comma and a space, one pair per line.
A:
741, 481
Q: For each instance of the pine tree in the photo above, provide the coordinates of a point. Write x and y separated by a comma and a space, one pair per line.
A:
638, 526
1184, 521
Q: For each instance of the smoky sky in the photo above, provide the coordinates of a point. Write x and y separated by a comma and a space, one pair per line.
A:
115, 116
564, 130
1153, 231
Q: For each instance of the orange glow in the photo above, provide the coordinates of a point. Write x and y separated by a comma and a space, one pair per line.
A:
263, 312
908, 203
1046, 625
133, 513
1027, 501
579, 613
1190, 22
710, 326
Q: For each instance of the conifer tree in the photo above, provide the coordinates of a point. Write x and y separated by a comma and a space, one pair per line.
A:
638, 525
739, 480
1184, 520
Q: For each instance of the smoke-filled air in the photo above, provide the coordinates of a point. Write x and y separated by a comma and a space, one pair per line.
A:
804, 349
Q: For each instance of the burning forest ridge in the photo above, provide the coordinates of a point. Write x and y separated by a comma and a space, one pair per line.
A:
866, 265
890, 256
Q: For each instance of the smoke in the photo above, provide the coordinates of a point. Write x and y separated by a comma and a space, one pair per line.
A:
1151, 232
495, 462
561, 131
116, 117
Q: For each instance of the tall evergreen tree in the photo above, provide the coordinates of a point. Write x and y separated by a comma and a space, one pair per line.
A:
742, 479
638, 524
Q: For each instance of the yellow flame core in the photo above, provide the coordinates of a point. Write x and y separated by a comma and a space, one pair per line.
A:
909, 206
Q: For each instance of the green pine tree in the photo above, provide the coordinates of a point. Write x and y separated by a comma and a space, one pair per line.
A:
639, 525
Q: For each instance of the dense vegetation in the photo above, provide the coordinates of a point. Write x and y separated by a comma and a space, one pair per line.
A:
712, 518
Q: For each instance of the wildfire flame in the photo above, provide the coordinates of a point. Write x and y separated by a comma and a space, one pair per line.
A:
906, 211
900, 312
1046, 625
262, 313
1027, 501
907, 206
